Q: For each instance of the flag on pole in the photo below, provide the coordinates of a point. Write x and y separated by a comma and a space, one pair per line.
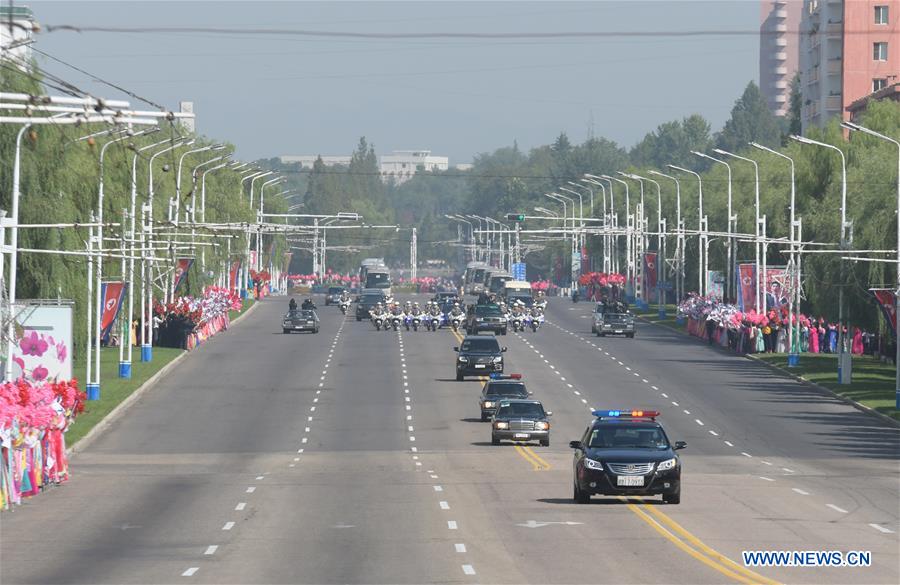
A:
181, 270
747, 286
111, 294
235, 273
649, 270
888, 303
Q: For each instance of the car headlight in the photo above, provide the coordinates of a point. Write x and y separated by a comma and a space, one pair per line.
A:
666, 465
498, 359
488, 404
462, 359
542, 426
501, 425
591, 464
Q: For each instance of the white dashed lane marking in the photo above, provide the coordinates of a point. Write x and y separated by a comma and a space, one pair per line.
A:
880, 528
211, 549
190, 572
799, 491
240, 506
837, 509
228, 526
460, 548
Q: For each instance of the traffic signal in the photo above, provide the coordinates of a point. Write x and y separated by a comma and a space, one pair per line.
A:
515, 216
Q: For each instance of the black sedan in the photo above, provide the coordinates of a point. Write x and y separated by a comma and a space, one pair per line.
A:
500, 387
333, 296
626, 453
300, 320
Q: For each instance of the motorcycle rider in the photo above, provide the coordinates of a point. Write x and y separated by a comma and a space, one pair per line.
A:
376, 313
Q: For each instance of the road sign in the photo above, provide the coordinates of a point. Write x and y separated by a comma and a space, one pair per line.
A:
515, 216
664, 285
518, 270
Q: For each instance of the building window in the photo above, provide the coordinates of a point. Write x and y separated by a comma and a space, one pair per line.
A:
880, 52
881, 15
879, 83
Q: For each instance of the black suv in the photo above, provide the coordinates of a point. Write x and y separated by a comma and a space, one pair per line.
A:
520, 420
500, 387
626, 453
478, 356
333, 296
366, 302
486, 318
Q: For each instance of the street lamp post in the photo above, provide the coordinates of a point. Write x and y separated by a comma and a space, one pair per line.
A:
760, 233
629, 236
660, 247
704, 261
844, 357
794, 298
729, 272
679, 240
858, 128
613, 223
606, 236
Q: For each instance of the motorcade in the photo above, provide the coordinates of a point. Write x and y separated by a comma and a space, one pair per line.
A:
520, 420
367, 300
486, 318
514, 290
478, 355
626, 453
612, 318
333, 296
378, 277
498, 278
500, 387
300, 320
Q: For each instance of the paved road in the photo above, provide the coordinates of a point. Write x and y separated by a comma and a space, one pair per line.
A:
352, 456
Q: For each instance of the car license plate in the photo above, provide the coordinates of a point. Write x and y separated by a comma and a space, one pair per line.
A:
618, 331
630, 480
479, 366
520, 436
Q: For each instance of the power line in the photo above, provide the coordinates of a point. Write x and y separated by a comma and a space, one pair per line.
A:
99, 79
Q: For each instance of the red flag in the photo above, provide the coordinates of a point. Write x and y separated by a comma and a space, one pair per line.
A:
888, 302
181, 270
650, 270
111, 294
747, 285
233, 278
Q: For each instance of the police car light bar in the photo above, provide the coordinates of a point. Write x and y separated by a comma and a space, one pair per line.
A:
498, 376
626, 413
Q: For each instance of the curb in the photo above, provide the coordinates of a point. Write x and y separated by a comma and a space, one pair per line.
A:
120, 409
826, 390
790, 374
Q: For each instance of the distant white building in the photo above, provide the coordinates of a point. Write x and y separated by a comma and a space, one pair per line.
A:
463, 166
401, 165
307, 161
17, 28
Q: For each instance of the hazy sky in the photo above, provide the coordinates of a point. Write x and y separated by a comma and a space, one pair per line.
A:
274, 94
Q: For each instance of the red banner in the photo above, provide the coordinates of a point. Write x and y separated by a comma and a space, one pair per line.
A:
649, 271
888, 303
775, 287
112, 294
181, 270
747, 286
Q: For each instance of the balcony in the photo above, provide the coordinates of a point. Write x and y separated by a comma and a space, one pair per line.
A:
813, 76
781, 71
781, 13
780, 98
833, 103
834, 27
835, 66
781, 42
780, 28
781, 84
781, 56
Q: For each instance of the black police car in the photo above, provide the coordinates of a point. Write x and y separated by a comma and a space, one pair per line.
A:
479, 355
626, 453
500, 386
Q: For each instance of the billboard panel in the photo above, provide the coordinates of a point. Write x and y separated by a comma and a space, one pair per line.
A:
43, 342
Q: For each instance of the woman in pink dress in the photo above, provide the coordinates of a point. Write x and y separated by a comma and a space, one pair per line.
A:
857, 347
813, 338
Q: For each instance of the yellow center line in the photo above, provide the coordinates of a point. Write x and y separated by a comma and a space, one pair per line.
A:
712, 559
521, 451
544, 465
665, 519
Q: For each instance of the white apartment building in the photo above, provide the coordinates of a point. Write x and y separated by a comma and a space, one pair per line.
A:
16, 29
401, 165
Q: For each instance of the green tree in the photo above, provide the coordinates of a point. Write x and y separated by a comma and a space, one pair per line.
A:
751, 121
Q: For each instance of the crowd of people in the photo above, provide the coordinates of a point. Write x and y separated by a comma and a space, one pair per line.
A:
767, 332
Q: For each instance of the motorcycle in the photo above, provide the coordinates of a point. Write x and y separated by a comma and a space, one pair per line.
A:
433, 322
455, 322
536, 322
345, 306
518, 323
575, 295
395, 322
378, 320
416, 320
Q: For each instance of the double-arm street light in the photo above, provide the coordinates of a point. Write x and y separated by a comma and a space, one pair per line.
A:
857, 128
844, 356
729, 272
703, 242
679, 237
